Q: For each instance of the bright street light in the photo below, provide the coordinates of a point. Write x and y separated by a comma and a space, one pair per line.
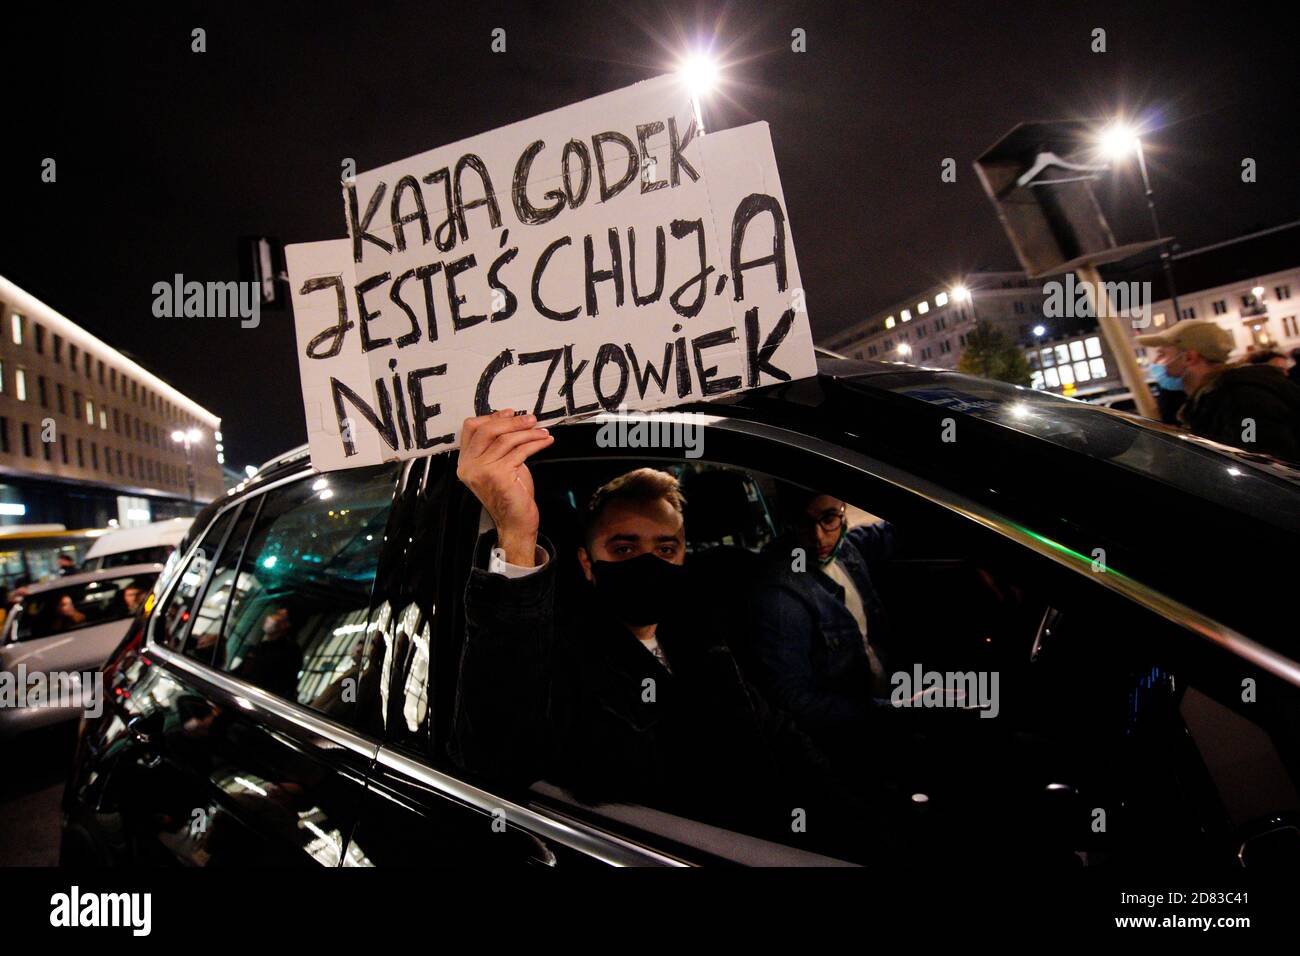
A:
1257, 292
904, 349
1040, 330
189, 438
960, 293
1118, 140
699, 71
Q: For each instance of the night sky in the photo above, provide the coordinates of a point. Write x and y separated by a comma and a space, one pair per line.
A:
165, 157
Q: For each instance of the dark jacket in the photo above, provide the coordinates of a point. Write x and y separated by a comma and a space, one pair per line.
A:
1219, 409
809, 655
589, 708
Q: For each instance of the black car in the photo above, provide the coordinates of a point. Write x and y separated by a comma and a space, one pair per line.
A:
288, 697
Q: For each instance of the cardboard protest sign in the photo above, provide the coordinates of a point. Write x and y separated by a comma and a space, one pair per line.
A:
598, 257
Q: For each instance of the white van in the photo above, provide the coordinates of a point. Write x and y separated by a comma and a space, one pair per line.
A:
148, 544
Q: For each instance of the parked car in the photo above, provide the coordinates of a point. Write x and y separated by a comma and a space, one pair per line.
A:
287, 700
151, 543
67, 626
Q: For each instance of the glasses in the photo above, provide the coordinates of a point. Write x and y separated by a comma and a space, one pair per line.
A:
828, 521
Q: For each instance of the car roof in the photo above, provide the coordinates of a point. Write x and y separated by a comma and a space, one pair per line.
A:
86, 577
170, 531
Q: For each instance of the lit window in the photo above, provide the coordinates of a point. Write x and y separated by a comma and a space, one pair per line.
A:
1092, 346
20, 385
906, 315
103, 419
1062, 355
18, 329
1081, 373
922, 307
1098, 367
1160, 318
1036, 380
1067, 375
889, 322
90, 413
1053, 380
1048, 358
941, 299
1076, 350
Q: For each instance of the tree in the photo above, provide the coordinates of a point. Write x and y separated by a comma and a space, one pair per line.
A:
990, 354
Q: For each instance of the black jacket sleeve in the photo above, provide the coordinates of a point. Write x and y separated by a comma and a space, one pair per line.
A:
500, 725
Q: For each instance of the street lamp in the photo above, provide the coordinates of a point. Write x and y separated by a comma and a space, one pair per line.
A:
1118, 140
699, 71
1040, 331
904, 349
962, 295
189, 439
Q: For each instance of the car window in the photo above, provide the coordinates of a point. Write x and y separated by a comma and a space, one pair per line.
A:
926, 683
296, 623
174, 617
205, 631
63, 610
153, 555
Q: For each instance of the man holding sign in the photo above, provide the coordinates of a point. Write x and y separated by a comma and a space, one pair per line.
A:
637, 703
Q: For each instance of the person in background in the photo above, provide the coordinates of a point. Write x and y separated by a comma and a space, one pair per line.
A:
67, 564
131, 595
822, 636
1248, 406
1268, 357
1170, 394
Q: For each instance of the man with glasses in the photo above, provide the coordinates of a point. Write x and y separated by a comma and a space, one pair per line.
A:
821, 634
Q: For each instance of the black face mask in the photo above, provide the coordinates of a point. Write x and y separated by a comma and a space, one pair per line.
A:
640, 590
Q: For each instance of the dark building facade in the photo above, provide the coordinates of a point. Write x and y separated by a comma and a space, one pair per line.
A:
86, 434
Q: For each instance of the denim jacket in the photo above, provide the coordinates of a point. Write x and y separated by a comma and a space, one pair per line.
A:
808, 650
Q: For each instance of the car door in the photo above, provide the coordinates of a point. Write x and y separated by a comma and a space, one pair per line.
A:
417, 811
247, 752
1103, 748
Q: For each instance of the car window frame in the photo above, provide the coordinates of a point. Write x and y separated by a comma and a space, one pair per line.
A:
202, 593
174, 582
347, 735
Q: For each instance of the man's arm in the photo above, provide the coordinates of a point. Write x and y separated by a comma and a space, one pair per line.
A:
875, 542
499, 727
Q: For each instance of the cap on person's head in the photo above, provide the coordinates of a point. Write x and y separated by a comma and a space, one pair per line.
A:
1206, 338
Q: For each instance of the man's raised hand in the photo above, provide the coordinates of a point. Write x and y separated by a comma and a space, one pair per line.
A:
493, 449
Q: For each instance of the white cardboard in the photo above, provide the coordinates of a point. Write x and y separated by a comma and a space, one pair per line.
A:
732, 165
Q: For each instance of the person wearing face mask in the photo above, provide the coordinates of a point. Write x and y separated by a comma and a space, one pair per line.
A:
822, 638
1248, 406
1170, 394
635, 701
